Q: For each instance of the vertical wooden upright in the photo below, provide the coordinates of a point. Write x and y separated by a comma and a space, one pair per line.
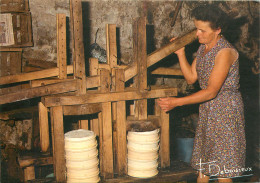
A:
140, 55
120, 125
61, 46
78, 50
59, 156
44, 127
106, 152
111, 45
165, 140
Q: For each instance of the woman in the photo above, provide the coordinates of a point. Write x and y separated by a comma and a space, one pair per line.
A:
219, 144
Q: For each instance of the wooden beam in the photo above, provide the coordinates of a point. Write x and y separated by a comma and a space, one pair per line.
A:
38, 92
140, 53
93, 81
33, 75
108, 97
44, 82
111, 45
167, 71
40, 63
106, 128
161, 53
93, 66
59, 156
165, 140
78, 50
81, 109
120, 125
61, 46
35, 160
44, 127
10, 49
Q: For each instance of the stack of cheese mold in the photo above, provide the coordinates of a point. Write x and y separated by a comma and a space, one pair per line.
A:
81, 156
142, 153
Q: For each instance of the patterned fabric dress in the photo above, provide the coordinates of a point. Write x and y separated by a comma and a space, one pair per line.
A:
219, 144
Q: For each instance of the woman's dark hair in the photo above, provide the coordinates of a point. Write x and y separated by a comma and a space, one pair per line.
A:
212, 14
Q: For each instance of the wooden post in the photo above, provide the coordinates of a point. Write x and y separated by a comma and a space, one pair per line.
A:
59, 156
61, 46
93, 66
105, 125
83, 124
29, 173
141, 59
111, 45
78, 54
44, 127
120, 125
165, 140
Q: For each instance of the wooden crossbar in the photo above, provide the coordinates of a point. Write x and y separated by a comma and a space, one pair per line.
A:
108, 97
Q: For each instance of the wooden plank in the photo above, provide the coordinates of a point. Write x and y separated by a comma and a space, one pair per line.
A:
61, 46
38, 92
83, 124
81, 109
165, 140
163, 52
167, 71
33, 75
10, 49
93, 81
111, 45
34, 159
108, 97
79, 62
121, 125
152, 122
94, 126
40, 63
60, 165
141, 59
29, 173
105, 127
44, 82
108, 167
93, 66
44, 127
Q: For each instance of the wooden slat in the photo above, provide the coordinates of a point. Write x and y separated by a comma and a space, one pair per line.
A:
60, 166
10, 49
120, 125
108, 97
111, 45
165, 140
159, 54
81, 109
38, 92
61, 46
29, 173
167, 71
33, 75
44, 127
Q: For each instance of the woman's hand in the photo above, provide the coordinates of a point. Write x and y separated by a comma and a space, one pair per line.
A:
168, 103
181, 51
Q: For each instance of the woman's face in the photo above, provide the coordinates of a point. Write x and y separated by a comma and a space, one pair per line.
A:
205, 33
